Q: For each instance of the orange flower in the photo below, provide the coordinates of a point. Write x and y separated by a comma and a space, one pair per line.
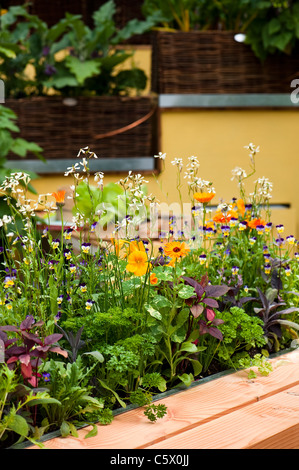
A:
219, 217
255, 222
59, 196
241, 206
138, 263
153, 279
203, 197
176, 250
118, 244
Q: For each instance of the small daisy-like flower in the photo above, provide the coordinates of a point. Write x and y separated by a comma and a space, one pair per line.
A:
280, 228
72, 268
8, 282
267, 268
86, 247
68, 233
279, 241
202, 259
225, 230
46, 376
268, 227
55, 243
67, 254
260, 229
287, 270
242, 225
233, 222
235, 270
291, 239
93, 227
88, 304
252, 240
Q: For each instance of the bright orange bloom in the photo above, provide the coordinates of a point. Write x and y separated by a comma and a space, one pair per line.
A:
153, 279
220, 217
255, 222
138, 263
176, 250
59, 196
241, 206
118, 244
203, 197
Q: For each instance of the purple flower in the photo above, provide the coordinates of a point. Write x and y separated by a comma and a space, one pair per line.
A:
46, 376
50, 70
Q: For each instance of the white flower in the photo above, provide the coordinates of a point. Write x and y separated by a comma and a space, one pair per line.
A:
160, 155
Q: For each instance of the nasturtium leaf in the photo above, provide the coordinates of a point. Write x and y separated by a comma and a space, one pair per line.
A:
186, 292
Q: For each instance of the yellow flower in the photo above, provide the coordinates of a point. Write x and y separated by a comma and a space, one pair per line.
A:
138, 263
203, 197
176, 250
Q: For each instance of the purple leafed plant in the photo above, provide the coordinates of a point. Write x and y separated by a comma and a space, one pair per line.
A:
28, 348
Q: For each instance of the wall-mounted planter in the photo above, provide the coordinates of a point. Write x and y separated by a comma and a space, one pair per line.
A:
213, 62
115, 128
225, 411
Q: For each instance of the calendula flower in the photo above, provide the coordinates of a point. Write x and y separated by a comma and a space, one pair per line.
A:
256, 222
153, 279
138, 263
59, 197
176, 250
203, 197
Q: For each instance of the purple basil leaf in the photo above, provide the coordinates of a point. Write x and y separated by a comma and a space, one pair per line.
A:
52, 338
210, 302
216, 291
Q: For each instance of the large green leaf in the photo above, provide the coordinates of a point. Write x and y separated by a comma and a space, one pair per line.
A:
83, 70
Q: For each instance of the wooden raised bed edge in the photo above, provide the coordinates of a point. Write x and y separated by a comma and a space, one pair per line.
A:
165, 395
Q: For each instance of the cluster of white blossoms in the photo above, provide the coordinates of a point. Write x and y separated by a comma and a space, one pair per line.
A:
192, 168
253, 150
264, 187
239, 174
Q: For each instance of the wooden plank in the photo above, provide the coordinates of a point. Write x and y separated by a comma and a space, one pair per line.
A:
188, 409
272, 423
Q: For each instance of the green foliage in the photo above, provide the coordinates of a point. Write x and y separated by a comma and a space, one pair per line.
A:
69, 385
91, 66
270, 27
154, 412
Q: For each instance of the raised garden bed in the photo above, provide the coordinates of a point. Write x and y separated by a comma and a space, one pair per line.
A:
213, 62
225, 411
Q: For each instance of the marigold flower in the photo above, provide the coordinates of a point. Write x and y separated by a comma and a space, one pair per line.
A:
153, 279
176, 250
203, 197
254, 223
59, 197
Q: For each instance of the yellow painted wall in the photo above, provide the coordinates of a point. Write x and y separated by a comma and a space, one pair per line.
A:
217, 138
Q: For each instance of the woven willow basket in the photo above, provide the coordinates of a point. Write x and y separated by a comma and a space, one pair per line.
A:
116, 127
213, 62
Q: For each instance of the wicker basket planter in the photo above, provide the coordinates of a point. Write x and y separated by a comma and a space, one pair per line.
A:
213, 62
113, 127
